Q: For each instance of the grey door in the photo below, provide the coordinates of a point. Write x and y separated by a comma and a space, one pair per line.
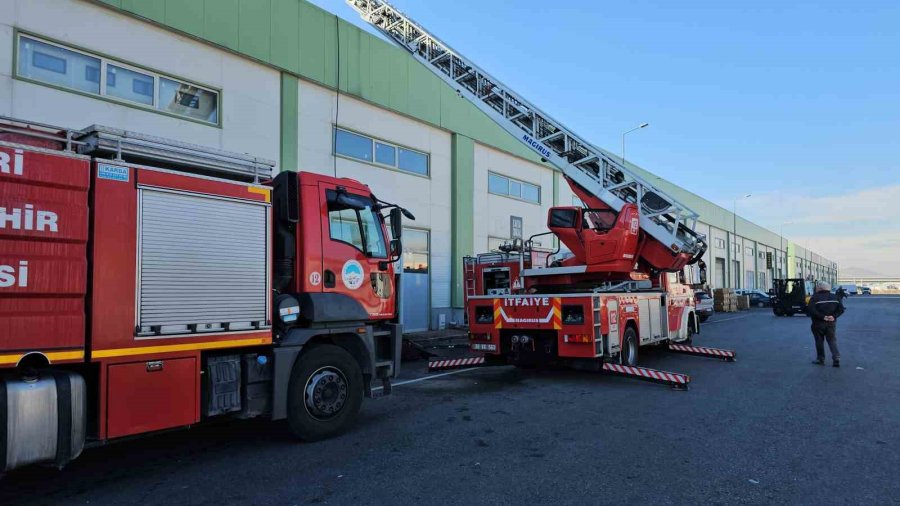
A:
415, 282
720, 273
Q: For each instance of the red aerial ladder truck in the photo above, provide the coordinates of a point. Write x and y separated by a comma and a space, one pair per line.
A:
148, 284
621, 287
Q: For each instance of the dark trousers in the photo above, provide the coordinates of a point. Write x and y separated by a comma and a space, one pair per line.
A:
825, 331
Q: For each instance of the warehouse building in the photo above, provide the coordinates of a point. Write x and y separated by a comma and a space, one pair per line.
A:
287, 81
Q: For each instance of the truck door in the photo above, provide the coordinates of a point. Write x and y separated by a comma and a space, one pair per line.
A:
354, 251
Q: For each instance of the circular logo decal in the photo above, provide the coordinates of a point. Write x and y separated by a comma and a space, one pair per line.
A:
352, 274
315, 278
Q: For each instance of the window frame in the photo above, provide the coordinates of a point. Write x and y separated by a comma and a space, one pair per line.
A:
375, 142
106, 59
518, 181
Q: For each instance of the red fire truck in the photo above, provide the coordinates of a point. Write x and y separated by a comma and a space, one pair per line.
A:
148, 284
621, 287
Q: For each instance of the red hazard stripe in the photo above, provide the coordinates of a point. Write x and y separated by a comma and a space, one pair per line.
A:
699, 349
647, 373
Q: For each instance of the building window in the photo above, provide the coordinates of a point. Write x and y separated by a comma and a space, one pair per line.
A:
352, 145
385, 154
515, 227
370, 150
51, 63
750, 252
413, 161
509, 187
720, 243
415, 251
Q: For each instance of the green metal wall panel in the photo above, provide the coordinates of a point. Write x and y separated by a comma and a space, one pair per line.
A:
184, 15
255, 22
220, 22
150, 9
462, 237
318, 44
285, 37
290, 126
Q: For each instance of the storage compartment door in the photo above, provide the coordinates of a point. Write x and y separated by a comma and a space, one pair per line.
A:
152, 395
203, 264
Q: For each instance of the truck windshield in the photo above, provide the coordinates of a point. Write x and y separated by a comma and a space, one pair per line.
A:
361, 228
601, 220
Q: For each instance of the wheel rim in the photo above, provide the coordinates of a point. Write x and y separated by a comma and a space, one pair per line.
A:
326, 393
629, 353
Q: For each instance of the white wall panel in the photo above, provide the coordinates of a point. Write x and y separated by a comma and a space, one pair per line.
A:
428, 198
492, 212
251, 92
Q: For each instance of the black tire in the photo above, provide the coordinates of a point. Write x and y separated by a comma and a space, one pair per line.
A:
628, 355
790, 312
690, 338
325, 393
703, 318
777, 311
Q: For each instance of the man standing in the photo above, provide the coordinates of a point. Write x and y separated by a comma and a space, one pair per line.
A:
825, 308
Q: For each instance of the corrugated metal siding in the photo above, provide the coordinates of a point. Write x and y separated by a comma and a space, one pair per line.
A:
204, 260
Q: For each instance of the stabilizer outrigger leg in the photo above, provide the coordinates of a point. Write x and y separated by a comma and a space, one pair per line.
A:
455, 363
700, 351
676, 380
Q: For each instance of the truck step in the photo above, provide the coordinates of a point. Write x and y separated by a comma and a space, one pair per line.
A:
455, 363
676, 380
700, 351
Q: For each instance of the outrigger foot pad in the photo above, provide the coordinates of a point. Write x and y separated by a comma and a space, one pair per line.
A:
676, 380
700, 351
456, 363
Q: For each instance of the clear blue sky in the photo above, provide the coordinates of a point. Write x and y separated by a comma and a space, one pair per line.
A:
796, 102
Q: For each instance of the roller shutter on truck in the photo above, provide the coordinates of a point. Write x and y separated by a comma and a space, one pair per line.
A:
202, 263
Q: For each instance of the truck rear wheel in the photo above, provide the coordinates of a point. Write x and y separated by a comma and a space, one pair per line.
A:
325, 393
629, 353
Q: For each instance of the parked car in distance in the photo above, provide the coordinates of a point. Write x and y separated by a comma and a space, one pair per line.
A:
704, 307
758, 298
865, 290
849, 289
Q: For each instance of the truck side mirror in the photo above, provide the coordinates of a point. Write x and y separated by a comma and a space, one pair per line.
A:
396, 223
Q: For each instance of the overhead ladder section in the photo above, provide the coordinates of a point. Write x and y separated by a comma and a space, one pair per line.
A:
662, 217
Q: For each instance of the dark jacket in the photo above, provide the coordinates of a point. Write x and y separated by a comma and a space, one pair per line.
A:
824, 304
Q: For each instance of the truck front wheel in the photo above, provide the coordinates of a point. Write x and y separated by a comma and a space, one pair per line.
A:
629, 353
325, 393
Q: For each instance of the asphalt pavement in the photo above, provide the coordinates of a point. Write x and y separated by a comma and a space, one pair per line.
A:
770, 428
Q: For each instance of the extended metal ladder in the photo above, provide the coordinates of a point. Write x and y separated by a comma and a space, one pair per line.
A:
662, 217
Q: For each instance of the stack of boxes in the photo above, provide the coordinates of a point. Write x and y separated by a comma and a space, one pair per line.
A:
724, 300
743, 302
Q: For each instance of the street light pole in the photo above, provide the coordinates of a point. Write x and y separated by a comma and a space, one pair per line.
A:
642, 125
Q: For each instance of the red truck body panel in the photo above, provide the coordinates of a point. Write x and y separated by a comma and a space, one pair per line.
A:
43, 260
